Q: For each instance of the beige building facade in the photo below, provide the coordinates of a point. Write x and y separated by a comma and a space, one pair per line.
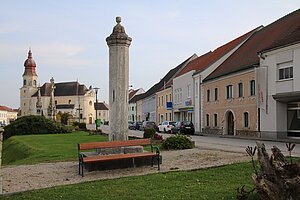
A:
164, 105
139, 112
229, 105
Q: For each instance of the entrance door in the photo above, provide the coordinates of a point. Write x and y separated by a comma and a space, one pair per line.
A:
90, 120
230, 124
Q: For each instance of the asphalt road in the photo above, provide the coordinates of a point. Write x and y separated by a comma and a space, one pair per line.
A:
222, 143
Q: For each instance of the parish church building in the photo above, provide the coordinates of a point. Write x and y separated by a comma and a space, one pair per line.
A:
52, 99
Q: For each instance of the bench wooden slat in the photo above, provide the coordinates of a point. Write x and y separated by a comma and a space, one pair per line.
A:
117, 157
124, 143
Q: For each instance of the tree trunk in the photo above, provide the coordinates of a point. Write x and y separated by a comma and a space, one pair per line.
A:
278, 179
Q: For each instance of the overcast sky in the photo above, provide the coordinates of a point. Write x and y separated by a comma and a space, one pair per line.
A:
67, 37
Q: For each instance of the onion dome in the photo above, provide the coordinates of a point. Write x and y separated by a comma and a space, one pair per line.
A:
30, 65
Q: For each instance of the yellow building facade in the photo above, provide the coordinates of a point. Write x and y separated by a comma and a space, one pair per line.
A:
229, 105
163, 105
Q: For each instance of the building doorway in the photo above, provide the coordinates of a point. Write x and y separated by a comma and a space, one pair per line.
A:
230, 123
90, 120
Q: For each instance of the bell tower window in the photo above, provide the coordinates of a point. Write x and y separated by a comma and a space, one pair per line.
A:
24, 82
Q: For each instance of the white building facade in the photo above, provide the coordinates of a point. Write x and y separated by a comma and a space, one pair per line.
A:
279, 91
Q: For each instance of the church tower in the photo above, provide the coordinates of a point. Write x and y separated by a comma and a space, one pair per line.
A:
29, 87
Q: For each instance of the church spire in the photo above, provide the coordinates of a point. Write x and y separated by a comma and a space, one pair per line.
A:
30, 65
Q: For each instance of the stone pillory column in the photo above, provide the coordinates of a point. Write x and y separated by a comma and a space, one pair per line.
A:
118, 43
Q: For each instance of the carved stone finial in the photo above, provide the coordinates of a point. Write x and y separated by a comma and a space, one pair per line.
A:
118, 20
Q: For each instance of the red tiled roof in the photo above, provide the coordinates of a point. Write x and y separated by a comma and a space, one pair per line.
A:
101, 106
246, 56
292, 37
5, 108
209, 58
132, 93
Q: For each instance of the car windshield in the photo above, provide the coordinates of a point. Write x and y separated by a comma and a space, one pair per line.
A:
187, 123
151, 123
172, 123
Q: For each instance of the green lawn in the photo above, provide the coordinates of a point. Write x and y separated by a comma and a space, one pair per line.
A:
29, 149
215, 184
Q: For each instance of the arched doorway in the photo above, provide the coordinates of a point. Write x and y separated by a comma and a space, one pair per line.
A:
230, 123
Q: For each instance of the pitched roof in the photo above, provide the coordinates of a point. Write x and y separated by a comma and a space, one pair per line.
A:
101, 106
209, 58
170, 75
132, 93
290, 38
246, 55
63, 89
136, 98
5, 108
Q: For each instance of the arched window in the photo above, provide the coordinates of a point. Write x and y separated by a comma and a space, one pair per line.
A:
207, 119
246, 119
34, 83
24, 82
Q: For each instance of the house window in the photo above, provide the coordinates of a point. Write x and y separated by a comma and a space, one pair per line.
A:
285, 73
229, 91
103, 114
166, 116
132, 108
215, 120
55, 102
170, 97
208, 95
196, 90
91, 103
207, 119
240, 89
216, 94
162, 100
189, 91
246, 119
158, 101
252, 87
166, 98
80, 116
170, 116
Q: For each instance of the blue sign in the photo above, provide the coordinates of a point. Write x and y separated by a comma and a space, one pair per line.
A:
169, 106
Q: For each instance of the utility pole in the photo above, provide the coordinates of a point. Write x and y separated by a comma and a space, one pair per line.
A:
96, 107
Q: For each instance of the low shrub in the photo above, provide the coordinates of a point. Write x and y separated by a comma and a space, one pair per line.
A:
75, 123
33, 124
149, 132
82, 125
177, 142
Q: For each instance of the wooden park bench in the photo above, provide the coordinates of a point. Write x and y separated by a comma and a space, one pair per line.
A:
83, 159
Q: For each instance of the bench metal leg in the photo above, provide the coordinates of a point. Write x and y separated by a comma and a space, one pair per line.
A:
79, 168
82, 170
158, 162
152, 161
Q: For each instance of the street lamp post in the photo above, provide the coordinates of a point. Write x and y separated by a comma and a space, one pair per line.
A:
96, 107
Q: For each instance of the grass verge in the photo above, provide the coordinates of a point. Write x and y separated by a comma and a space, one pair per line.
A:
216, 183
30, 149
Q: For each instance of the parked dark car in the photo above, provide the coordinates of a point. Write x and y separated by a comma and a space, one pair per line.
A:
136, 126
147, 124
183, 127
